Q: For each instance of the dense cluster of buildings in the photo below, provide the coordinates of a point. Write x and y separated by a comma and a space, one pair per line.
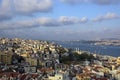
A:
40, 60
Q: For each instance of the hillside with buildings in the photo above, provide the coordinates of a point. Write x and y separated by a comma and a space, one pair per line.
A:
41, 60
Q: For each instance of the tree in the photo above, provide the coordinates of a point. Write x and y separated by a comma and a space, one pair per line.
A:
83, 56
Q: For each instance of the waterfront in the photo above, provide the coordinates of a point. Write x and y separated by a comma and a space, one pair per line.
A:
99, 49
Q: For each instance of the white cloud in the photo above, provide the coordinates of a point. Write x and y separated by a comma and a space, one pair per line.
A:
72, 20
43, 21
74, 1
31, 6
8, 8
84, 20
5, 10
17, 24
106, 2
61, 21
54, 22
99, 2
47, 21
107, 16
68, 20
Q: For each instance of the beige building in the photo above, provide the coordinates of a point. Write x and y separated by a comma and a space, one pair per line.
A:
83, 76
118, 60
61, 75
32, 61
5, 57
117, 75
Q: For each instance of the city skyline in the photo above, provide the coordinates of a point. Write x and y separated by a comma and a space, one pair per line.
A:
60, 19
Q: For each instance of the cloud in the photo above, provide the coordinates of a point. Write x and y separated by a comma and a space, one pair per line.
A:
54, 22
63, 20
106, 2
99, 2
17, 24
47, 21
5, 10
10, 8
31, 6
43, 21
74, 1
84, 20
107, 16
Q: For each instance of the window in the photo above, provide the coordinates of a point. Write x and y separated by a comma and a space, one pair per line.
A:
59, 77
45, 56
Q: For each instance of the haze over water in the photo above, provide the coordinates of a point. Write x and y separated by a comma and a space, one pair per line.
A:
104, 50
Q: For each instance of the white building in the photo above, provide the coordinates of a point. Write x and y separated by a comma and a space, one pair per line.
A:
60, 76
117, 76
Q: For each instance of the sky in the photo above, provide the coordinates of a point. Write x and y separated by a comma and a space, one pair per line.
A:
60, 19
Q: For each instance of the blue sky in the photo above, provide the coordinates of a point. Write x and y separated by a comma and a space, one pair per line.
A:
60, 19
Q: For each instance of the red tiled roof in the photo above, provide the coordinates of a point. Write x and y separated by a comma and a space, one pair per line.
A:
96, 67
45, 69
100, 78
85, 74
86, 70
10, 74
23, 76
34, 75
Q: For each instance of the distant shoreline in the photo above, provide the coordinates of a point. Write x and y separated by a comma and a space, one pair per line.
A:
90, 46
